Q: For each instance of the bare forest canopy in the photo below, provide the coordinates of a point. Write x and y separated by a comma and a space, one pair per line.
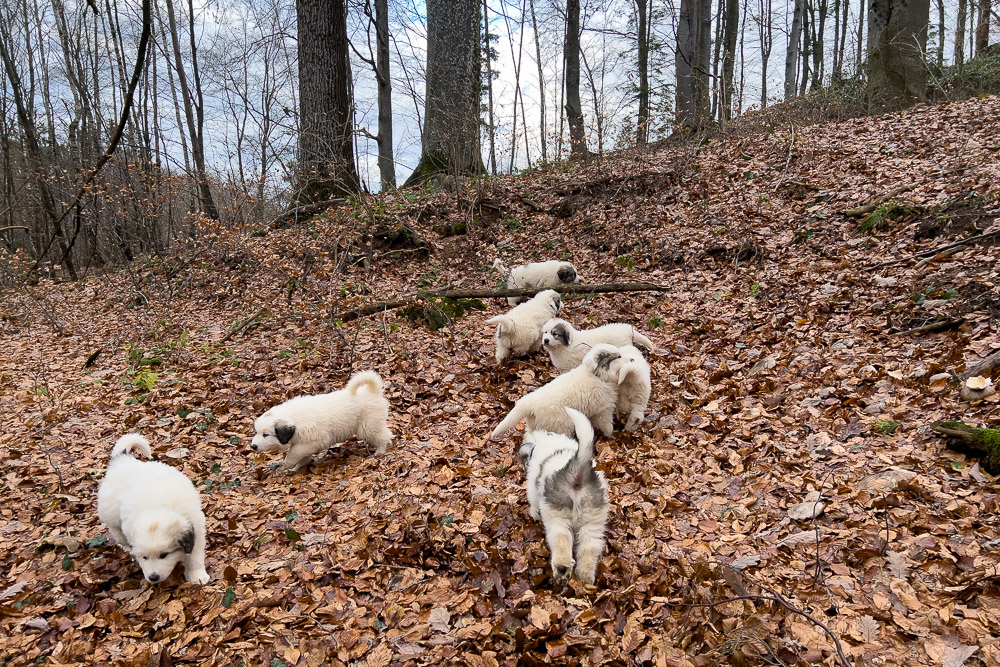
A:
232, 113
801, 491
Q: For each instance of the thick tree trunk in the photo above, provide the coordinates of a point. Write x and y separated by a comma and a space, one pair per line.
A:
731, 32
983, 26
940, 42
642, 36
571, 55
693, 66
541, 81
963, 10
897, 45
450, 141
792, 54
488, 67
765, 31
326, 126
818, 34
386, 163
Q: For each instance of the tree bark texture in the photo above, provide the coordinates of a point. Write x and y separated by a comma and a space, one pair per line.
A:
962, 17
571, 55
326, 114
897, 45
692, 98
386, 163
450, 141
792, 54
731, 32
983, 26
642, 36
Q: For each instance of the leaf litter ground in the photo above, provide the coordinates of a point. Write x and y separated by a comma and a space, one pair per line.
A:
765, 471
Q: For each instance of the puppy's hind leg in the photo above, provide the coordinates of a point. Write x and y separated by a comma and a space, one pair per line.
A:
375, 432
559, 535
605, 423
194, 562
590, 546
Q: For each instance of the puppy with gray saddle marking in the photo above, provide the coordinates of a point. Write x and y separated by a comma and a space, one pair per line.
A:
307, 425
590, 388
569, 496
567, 345
551, 273
154, 512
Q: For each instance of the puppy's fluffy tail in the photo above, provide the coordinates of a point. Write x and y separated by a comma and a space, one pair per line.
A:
504, 324
498, 265
642, 340
368, 379
583, 461
131, 441
510, 421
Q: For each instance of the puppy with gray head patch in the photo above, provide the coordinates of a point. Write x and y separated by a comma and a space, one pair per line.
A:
519, 330
634, 386
569, 496
551, 273
154, 512
307, 425
590, 388
568, 345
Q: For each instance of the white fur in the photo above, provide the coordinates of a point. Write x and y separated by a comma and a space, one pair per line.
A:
519, 330
321, 421
535, 274
154, 512
634, 386
569, 496
590, 388
565, 355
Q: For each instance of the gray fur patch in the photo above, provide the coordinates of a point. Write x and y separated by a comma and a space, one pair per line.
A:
566, 274
604, 360
186, 541
560, 487
561, 334
284, 432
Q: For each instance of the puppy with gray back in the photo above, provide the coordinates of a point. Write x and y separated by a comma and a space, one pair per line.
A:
568, 345
634, 386
154, 512
519, 330
590, 388
307, 425
551, 273
569, 496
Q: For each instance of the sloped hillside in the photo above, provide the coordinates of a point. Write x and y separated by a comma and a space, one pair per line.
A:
796, 374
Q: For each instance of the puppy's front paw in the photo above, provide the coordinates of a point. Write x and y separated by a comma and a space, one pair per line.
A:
198, 577
561, 572
586, 576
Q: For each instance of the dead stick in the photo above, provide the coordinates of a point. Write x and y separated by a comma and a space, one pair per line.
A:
874, 203
934, 251
370, 309
983, 367
933, 326
301, 213
242, 325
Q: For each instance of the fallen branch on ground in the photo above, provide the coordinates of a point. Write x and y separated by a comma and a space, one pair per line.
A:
301, 213
940, 325
983, 367
982, 443
408, 299
242, 325
935, 251
865, 209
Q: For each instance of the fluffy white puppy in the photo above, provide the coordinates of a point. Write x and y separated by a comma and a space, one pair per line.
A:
154, 512
568, 345
536, 274
569, 496
590, 388
634, 385
307, 425
519, 330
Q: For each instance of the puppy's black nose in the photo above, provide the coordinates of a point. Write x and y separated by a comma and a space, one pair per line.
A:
253, 447
154, 577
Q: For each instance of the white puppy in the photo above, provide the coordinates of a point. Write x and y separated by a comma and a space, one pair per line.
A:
536, 274
519, 330
154, 512
634, 386
569, 496
568, 345
590, 388
307, 425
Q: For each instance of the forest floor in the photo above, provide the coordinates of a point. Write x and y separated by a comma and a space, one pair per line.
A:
784, 382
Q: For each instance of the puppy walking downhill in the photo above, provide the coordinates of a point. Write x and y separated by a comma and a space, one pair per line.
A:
308, 425
154, 512
551, 273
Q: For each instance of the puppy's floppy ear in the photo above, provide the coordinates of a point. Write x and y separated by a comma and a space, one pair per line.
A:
284, 432
186, 540
566, 273
524, 453
623, 372
561, 333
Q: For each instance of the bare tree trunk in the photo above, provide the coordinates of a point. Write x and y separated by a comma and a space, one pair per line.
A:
859, 57
541, 78
326, 134
897, 44
766, 34
386, 163
731, 32
693, 66
450, 140
960, 32
571, 56
596, 96
843, 41
642, 36
518, 97
819, 64
488, 66
792, 54
983, 26
807, 25
836, 41
941, 34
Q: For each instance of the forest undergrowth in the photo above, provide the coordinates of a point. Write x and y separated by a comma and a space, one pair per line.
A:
785, 501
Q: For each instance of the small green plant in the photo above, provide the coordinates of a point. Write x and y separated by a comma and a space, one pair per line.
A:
886, 426
229, 597
441, 311
513, 223
656, 322
757, 290
884, 215
428, 278
625, 261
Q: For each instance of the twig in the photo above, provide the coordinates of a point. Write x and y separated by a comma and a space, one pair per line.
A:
983, 367
818, 570
874, 203
370, 309
300, 213
788, 158
940, 325
12, 227
242, 325
934, 251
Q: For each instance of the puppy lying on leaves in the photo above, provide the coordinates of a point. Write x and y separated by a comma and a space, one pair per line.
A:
154, 512
307, 425
569, 496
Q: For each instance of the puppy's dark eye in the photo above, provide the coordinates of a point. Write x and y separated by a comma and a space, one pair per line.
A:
145, 557
164, 555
